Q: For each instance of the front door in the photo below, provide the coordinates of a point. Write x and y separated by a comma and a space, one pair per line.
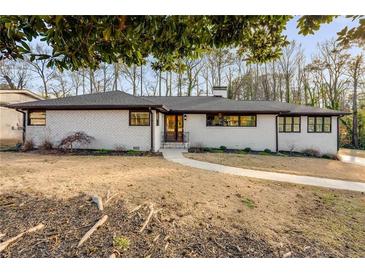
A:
174, 130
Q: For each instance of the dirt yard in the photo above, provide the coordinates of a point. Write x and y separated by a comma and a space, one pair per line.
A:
202, 214
293, 165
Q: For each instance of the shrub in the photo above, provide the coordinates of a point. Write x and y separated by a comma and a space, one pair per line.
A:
18, 146
329, 156
28, 145
197, 148
247, 149
133, 152
120, 148
223, 148
46, 145
311, 152
267, 150
102, 151
78, 137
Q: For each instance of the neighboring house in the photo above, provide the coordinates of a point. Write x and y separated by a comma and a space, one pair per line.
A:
11, 121
149, 123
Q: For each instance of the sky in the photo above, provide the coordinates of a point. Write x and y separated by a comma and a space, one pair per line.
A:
309, 42
326, 32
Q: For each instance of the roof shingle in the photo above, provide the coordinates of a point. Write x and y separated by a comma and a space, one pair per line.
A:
182, 104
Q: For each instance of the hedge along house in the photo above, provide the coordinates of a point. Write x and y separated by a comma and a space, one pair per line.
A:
117, 119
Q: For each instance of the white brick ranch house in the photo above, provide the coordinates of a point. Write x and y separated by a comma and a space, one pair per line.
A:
116, 118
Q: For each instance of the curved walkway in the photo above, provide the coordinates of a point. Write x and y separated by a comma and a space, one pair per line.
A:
351, 157
176, 155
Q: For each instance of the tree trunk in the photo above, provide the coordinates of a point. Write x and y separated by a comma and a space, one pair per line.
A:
141, 80
355, 133
159, 83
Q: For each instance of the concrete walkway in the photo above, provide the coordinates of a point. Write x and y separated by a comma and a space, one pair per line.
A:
351, 159
176, 155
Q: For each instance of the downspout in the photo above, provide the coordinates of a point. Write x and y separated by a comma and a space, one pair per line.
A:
24, 124
338, 133
152, 130
276, 134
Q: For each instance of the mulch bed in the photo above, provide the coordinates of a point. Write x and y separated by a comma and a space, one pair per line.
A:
66, 221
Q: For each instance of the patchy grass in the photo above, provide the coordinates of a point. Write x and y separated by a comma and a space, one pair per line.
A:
248, 202
121, 243
202, 213
293, 165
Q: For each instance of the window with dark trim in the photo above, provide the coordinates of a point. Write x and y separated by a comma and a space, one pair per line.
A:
139, 118
230, 120
289, 124
157, 118
319, 124
36, 118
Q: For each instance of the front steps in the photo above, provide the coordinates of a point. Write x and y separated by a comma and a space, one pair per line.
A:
174, 145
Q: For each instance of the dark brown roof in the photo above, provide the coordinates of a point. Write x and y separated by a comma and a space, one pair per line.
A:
102, 100
183, 104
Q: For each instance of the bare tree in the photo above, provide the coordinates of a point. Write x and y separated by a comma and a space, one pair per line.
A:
331, 64
132, 76
356, 71
61, 86
287, 64
15, 74
39, 67
192, 69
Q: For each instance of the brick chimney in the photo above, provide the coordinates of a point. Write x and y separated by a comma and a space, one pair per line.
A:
220, 91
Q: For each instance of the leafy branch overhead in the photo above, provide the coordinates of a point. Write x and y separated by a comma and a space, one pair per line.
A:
87, 41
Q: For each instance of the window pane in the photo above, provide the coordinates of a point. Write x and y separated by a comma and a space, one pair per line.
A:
37, 122
230, 121
281, 120
287, 127
310, 127
288, 124
296, 120
296, 128
37, 115
281, 128
311, 121
327, 120
140, 119
248, 121
213, 120
327, 128
288, 120
37, 118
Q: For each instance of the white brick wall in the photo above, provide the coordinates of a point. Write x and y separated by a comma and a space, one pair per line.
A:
323, 142
157, 130
110, 128
257, 138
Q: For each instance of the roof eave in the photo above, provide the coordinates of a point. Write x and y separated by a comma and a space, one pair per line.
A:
87, 107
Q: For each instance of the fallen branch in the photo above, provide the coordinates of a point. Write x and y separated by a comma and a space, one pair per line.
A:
98, 201
152, 212
109, 198
135, 209
92, 230
5, 244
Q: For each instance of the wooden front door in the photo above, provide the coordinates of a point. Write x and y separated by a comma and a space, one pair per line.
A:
174, 128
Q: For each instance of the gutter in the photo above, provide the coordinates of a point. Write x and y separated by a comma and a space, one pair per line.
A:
24, 124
